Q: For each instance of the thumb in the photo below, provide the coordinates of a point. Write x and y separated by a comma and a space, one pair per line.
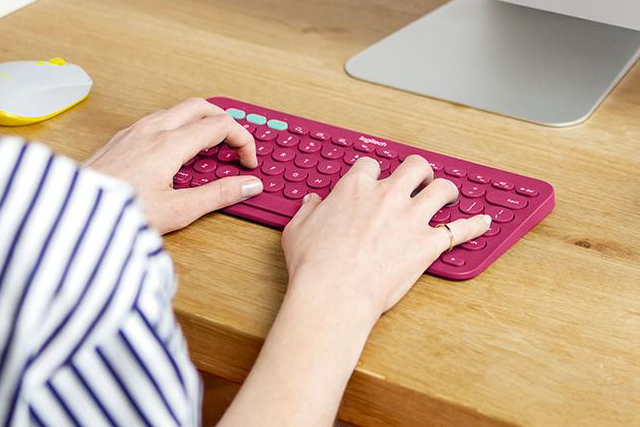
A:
309, 204
218, 194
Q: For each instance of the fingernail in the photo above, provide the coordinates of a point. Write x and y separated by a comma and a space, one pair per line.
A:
251, 188
306, 198
487, 219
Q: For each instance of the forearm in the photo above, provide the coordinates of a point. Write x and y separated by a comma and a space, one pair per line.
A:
306, 361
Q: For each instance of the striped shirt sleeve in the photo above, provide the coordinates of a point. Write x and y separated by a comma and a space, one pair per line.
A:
87, 331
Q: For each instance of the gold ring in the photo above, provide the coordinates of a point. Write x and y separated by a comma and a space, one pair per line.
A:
446, 226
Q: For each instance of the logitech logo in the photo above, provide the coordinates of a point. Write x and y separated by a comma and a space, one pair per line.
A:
372, 141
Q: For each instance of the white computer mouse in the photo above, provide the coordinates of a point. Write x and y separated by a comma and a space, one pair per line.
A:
33, 91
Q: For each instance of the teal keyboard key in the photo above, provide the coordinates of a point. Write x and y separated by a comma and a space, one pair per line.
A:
236, 114
256, 119
277, 124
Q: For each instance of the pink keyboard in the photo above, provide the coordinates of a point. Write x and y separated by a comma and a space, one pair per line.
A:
297, 156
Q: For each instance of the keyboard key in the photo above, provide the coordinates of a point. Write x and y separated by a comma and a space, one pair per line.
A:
498, 214
384, 164
299, 130
441, 216
295, 191
272, 184
471, 207
457, 172
319, 135
365, 148
306, 161
256, 119
295, 175
318, 181
472, 191
330, 152
263, 148
283, 155
272, 169
274, 204
309, 146
475, 244
226, 154
351, 157
204, 166
226, 170
453, 260
506, 200
209, 151
525, 191
503, 185
343, 142
328, 168
250, 128
236, 113
386, 153
200, 180
436, 167
266, 134
287, 140
493, 230
277, 124
182, 178
480, 179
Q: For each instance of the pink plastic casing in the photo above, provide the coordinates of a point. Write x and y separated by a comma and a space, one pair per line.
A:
484, 189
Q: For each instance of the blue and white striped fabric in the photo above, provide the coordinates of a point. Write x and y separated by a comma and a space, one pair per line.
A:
87, 332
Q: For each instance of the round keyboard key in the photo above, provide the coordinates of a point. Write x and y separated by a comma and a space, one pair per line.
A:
204, 166
227, 170
453, 260
266, 134
227, 155
441, 216
457, 172
310, 146
436, 167
493, 230
473, 191
295, 175
263, 148
330, 152
350, 158
471, 207
386, 153
306, 161
318, 181
283, 155
272, 169
503, 185
320, 135
384, 164
364, 147
298, 130
250, 128
182, 178
475, 244
256, 119
201, 180
295, 191
287, 140
272, 184
526, 191
209, 151
479, 178
343, 142
500, 215
328, 168
506, 200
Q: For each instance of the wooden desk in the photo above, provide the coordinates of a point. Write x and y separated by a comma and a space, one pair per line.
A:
549, 335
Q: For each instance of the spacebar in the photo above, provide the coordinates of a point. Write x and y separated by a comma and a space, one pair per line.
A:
274, 204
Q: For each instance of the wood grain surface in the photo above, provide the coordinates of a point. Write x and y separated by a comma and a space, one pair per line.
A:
548, 335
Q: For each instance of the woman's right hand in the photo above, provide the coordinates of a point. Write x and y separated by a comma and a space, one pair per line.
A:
370, 240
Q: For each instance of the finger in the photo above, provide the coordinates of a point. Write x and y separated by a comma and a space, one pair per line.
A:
463, 230
189, 140
187, 112
435, 195
309, 204
412, 172
365, 165
213, 196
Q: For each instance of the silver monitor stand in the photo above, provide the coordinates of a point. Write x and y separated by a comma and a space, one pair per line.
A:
525, 63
